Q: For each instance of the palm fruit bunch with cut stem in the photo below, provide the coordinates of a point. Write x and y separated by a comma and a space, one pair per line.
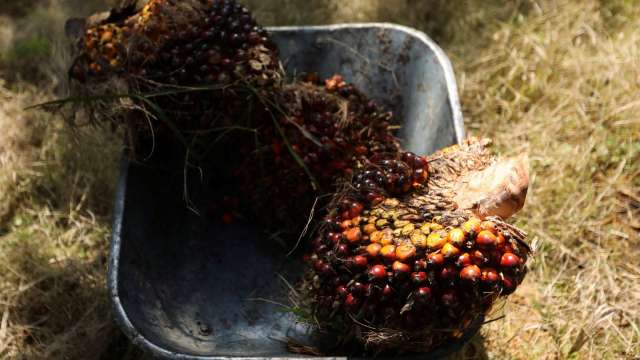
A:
318, 134
415, 268
197, 62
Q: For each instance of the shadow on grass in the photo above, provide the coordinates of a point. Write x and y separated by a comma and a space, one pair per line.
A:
58, 305
35, 47
54, 248
474, 350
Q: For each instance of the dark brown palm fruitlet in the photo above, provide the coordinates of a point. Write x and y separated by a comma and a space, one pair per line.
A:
412, 269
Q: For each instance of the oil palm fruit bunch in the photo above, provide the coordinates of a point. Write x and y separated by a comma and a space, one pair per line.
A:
199, 53
413, 267
318, 133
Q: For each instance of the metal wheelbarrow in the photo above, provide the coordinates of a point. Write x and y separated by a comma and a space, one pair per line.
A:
183, 288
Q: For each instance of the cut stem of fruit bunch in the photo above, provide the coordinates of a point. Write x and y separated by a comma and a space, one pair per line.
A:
412, 267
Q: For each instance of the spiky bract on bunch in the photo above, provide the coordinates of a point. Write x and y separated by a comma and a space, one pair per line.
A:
411, 271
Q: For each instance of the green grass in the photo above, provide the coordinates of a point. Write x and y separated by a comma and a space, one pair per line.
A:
30, 50
558, 79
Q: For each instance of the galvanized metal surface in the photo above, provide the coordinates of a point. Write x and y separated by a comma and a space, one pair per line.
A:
184, 288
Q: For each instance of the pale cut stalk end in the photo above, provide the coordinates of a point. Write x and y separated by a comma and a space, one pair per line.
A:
499, 190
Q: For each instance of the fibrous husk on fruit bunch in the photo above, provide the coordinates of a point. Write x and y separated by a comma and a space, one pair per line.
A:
193, 63
319, 133
413, 269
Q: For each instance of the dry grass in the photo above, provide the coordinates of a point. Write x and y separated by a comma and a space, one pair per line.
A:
562, 82
557, 78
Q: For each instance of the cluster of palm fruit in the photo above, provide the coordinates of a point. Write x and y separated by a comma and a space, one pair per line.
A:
411, 260
203, 49
318, 134
180, 43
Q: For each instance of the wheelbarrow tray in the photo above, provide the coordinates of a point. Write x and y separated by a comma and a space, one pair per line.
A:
185, 288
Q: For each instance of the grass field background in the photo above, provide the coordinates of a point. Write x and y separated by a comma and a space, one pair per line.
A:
559, 79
